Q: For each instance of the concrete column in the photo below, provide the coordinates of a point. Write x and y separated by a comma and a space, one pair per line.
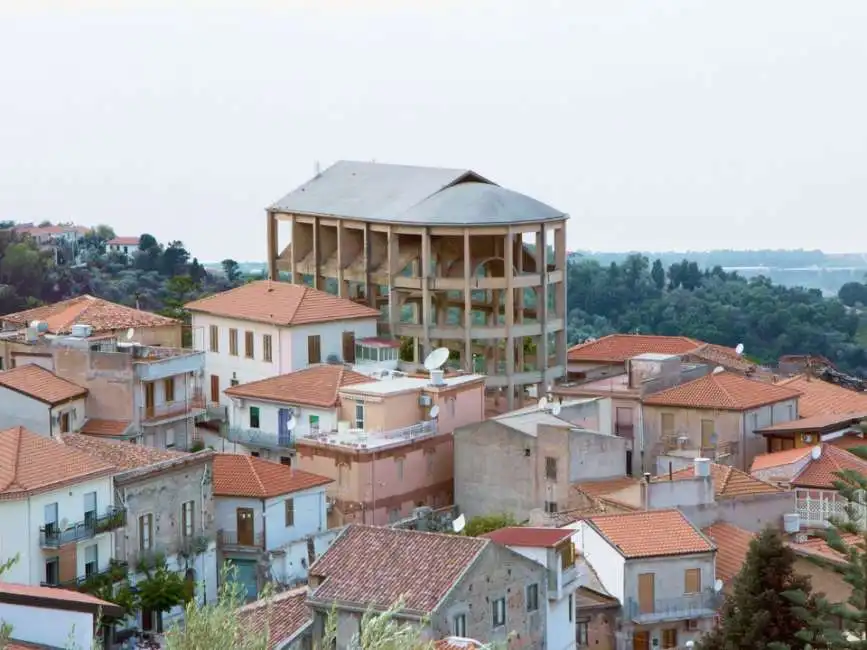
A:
393, 298
560, 295
468, 301
519, 300
368, 285
273, 252
342, 284
425, 292
317, 255
508, 270
293, 253
542, 305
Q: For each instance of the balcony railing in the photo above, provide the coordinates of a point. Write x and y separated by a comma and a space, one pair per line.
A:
230, 539
51, 536
260, 438
115, 572
194, 404
688, 606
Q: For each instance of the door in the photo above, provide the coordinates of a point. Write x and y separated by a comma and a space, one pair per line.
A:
707, 434
629, 462
64, 422
215, 389
646, 593
349, 347
149, 400
245, 526
641, 640
623, 422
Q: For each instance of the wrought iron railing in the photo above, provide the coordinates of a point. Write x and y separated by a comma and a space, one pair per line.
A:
227, 538
115, 572
192, 404
260, 438
687, 606
51, 535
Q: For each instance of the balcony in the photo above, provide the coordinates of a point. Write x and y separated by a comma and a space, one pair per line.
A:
155, 414
688, 606
115, 572
50, 535
366, 439
230, 540
260, 438
153, 363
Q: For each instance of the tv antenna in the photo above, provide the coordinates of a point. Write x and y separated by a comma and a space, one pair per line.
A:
130, 333
436, 359
718, 370
739, 349
543, 403
434, 411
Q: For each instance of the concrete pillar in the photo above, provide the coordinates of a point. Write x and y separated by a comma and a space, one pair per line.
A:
519, 302
342, 284
560, 295
425, 292
293, 253
393, 298
508, 270
542, 305
273, 252
468, 301
369, 288
317, 255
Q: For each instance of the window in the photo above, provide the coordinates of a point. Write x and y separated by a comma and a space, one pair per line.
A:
399, 463
145, 532
254, 417
170, 438
755, 421
567, 554
459, 626
571, 607
50, 514
667, 424
249, 343
550, 468
255, 454
692, 624
266, 347
169, 389
290, 512
215, 338
359, 416
581, 634
233, 342
187, 524
64, 422
234, 381
349, 347
429, 460
669, 638
692, 581
550, 507
90, 509
532, 598
286, 460
707, 433
314, 352
91, 561
498, 612
314, 423
52, 571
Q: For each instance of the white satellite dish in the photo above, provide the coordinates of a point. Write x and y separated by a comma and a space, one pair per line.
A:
739, 349
718, 585
543, 403
555, 410
816, 452
130, 333
436, 359
459, 524
290, 423
434, 411
718, 370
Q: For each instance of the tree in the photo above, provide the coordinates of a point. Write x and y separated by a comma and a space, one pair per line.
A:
486, 523
6, 630
232, 270
853, 293
757, 614
657, 274
161, 590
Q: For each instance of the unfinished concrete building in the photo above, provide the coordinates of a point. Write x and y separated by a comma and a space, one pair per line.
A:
449, 258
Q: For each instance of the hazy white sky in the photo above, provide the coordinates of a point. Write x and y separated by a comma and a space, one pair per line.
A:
670, 124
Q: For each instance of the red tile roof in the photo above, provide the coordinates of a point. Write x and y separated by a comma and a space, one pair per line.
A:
724, 391
12, 589
779, 458
283, 616
236, 475
616, 348
107, 428
530, 537
651, 533
124, 241
721, 355
281, 303
816, 473
827, 422
101, 315
119, 453
732, 544
820, 397
40, 384
817, 546
371, 566
457, 643
30, 463
728, 482
313, 386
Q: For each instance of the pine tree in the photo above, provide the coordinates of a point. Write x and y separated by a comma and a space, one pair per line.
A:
756, 615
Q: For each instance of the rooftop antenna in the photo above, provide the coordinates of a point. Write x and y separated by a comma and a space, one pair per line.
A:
543, 403
436, 359
459, 524
718, 370
130, 333
739, 349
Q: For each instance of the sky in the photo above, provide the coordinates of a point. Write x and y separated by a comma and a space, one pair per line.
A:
669, 125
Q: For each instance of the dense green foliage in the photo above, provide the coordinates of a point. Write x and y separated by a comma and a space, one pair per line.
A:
486, 523
756, 614
713, 306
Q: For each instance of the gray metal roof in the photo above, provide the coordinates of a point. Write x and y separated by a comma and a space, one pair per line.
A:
412, 195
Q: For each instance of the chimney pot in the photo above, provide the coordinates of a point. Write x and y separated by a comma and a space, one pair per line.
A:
702, 467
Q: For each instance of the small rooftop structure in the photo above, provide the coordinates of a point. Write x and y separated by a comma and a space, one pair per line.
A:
807, 467
41, 384
529, 537
652, 533
819, 397
728, 482
236, 475
724, 391
617, 348
317, 386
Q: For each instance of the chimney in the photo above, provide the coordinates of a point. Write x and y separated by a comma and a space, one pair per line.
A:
645, 488
436, 378
702, 467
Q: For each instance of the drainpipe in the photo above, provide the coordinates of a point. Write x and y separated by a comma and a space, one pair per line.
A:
743, 450
202, 527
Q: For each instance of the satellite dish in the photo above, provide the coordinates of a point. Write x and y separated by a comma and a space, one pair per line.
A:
739, 349
434, 411
543, 403
34, 323
130, 333
555, 409
459, 524
290, 423
436, 359
718, 585
718, 370
816, 452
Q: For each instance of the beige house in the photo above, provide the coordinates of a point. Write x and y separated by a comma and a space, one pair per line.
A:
717, 416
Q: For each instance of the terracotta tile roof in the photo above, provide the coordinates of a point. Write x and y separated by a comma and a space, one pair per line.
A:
101, 315
848, 442
52, 593
821, 397
236, 475
819, 547
724, 391
530, 537
118, 453
281, 303
457, 643
732, 545
779, 458
616, 348
284, 616
371, 566
651, 533
14, 644
816, 423
40, 384
722, 356
728, 482
124, 241
821, 473
30, 463
107, 428
606, 486
313, 386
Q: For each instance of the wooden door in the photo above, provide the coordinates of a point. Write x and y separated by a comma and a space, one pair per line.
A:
646, 593
245, 526
641, 640
215, 389
349, 347
149, 399
64, 422
707, 430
